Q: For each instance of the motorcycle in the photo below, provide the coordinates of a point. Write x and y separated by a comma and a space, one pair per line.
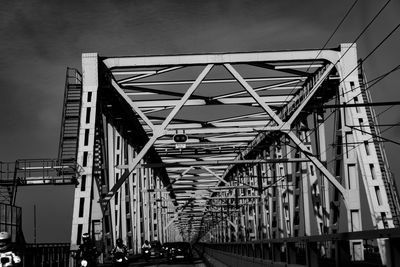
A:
120, 260
146, 253
86, 263
85, 258
9, 259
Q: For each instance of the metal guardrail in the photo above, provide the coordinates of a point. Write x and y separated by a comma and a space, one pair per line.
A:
46, 255
46, 171
10, 221
323, 250
40, 172
35, 172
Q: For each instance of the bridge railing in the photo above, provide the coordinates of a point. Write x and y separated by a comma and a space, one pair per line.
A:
10, 221
46, 171
324, 250
46, 255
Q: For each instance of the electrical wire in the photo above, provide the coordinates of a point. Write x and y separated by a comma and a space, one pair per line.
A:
364, 30
326, 43
362, 143
355, 40
358, 65
320, 50
358, 37
376, 81
385, 110
370, 53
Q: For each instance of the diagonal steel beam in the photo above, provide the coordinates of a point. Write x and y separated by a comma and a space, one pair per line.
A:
132, 104
183, 100
176, 120
262, 88
310, 95
254, 94
126, 174
285, 127
272, 67
171, 221
214, 174
180, 177
318, 164
158, 131
148, 74
162, 92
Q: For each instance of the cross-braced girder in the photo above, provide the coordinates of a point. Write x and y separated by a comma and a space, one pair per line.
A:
249, 153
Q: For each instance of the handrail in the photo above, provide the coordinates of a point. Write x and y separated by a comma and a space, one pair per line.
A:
41, 171
368, 234
73, 83
332, 249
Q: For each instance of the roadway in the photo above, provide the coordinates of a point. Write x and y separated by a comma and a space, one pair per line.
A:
197, 262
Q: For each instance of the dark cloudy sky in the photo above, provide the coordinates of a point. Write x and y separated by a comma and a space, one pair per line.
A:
39, 39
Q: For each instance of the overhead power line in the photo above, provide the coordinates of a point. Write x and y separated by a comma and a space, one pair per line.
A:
359, 35
372, 52
355, 40
369, 54
326, 43
376, 81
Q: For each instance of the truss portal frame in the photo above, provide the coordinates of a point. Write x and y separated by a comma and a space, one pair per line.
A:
236, 109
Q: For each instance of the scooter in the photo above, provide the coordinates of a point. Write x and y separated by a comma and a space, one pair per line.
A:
146, 254
120, 260
86, 263
84, 259
9, 259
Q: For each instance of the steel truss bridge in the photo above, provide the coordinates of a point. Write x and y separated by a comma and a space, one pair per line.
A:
231, 150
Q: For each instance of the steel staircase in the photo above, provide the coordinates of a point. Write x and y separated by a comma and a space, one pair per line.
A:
387, 176
70, 117
60, 171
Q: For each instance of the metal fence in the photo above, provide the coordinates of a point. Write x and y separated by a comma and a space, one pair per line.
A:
10, 221
323, 250
46, 255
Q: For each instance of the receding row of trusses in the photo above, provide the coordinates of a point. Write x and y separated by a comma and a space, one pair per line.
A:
225, 104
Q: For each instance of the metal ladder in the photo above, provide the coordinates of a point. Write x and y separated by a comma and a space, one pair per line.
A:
387, 176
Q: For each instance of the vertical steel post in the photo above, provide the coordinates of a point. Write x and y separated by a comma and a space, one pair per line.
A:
323, 182
133, 200
350, 161
357, 122
306, 188
83, 199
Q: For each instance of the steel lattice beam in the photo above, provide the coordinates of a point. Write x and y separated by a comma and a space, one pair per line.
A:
246, 117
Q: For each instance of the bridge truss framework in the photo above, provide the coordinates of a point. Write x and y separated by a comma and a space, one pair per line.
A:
256, 164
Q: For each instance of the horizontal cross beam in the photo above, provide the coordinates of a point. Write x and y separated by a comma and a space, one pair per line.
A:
216, 162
